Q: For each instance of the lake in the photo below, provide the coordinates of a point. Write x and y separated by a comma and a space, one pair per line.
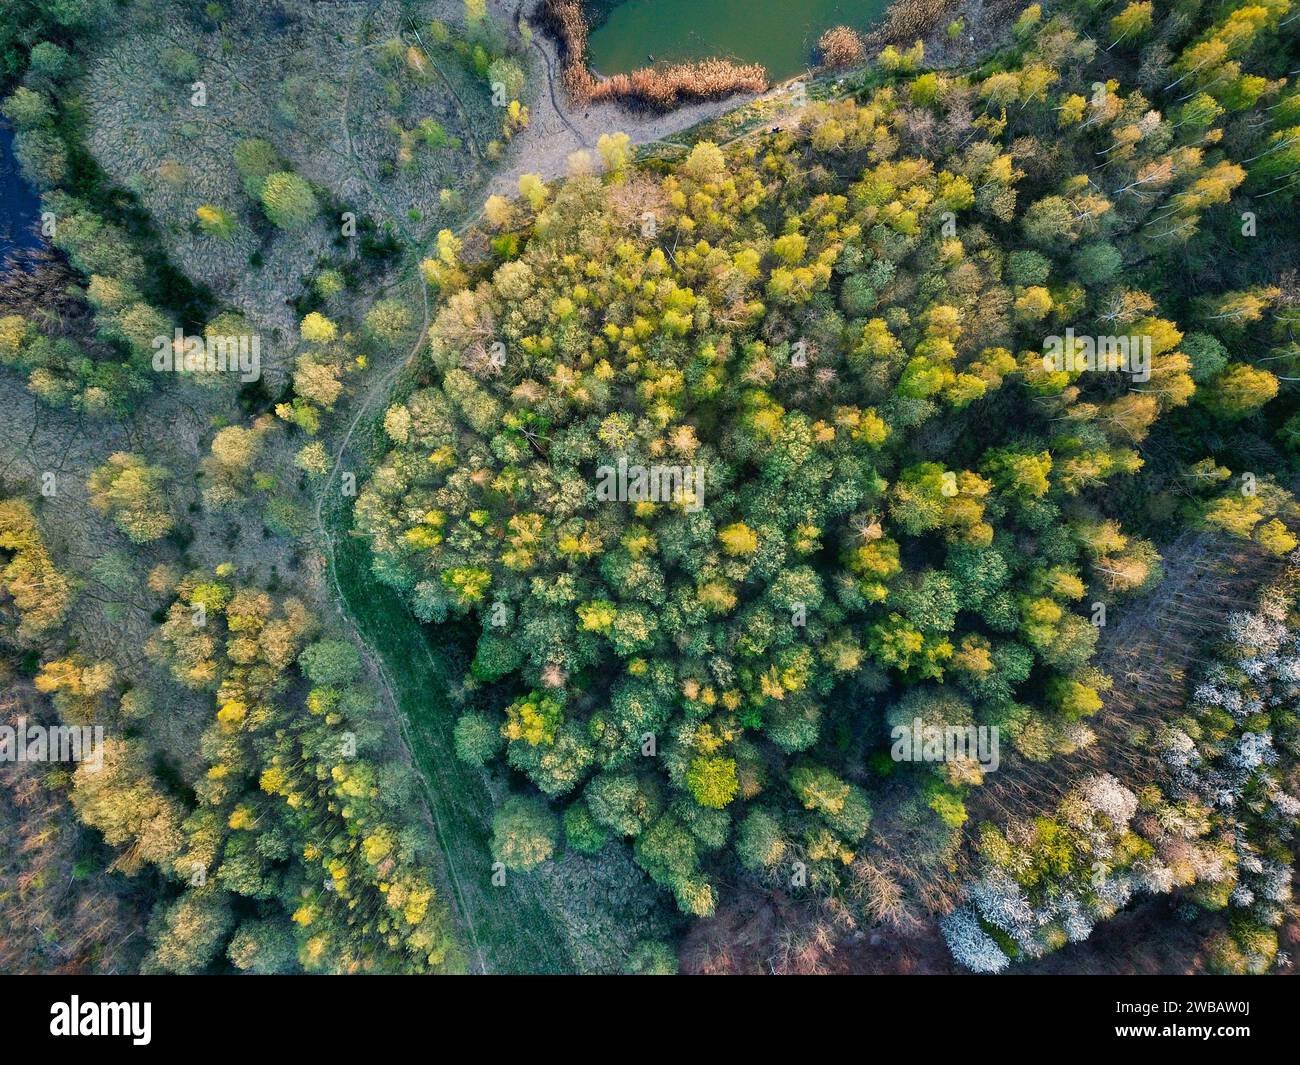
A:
20, 208
780, 34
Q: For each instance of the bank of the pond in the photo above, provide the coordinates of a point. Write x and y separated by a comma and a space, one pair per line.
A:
779, 34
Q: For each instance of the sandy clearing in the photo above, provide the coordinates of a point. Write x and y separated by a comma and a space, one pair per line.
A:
556, 130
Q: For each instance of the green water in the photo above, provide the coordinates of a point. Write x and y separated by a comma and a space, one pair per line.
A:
780, 34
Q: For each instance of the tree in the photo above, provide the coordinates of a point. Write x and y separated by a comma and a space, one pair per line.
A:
651, 958
533, 189
1134, 21
40, 594
215, 221
496, 209
581, 830
190, 932
1207, 354
316, 381
477, 739
616, 151
256, 161
388, 321
28, 109
1238, 390
670, 854
1097, 263
120, 800
48, 60
132, 491
713, 781
1051, 222
622, 802
330, 662
288, 201
705, 163
761, 843
523, 833
318, 329
264, 947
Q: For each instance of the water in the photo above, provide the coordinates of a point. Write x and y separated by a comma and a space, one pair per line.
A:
780, 34
20, 209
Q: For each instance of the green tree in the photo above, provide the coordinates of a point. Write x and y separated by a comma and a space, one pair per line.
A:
133, 492
477, 739
523, 833
330, 662
288, 201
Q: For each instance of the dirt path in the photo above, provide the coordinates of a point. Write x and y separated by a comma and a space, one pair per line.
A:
459, 808
508, 929
555, 130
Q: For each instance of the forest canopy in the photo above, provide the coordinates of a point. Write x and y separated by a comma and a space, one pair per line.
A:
846, 527
907, 511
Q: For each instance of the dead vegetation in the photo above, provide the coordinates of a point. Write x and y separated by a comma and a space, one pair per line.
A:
61, 912
1150, 653
910, 20
651, 88
883, 922
34, 282
840, 47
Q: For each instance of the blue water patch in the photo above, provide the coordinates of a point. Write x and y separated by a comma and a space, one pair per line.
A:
20, 207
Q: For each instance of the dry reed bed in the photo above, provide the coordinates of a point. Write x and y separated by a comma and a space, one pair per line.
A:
666, 87
655, 88
910, 20
841, 47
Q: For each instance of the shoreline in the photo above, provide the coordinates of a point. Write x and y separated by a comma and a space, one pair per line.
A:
559, 126
655, 88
